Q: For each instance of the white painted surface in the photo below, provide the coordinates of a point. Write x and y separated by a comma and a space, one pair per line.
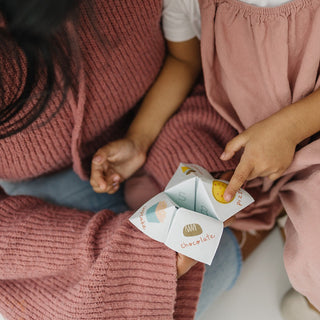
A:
260, 287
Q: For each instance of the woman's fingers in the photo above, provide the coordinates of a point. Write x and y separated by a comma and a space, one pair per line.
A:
184, 264
229, 221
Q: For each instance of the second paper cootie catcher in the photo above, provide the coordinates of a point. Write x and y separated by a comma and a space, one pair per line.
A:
188, 215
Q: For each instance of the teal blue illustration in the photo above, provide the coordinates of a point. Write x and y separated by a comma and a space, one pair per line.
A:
151, 214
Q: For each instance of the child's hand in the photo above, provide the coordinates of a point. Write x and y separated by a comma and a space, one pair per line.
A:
268, 152
114, 163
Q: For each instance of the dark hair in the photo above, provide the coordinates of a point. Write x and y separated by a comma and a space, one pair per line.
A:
32, 28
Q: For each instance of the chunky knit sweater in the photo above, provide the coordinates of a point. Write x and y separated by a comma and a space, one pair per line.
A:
58, 263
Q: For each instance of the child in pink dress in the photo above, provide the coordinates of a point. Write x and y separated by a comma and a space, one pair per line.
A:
261, 68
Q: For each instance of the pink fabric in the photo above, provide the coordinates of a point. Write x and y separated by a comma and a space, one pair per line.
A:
195, 134
139, 188
257, 61
58, 263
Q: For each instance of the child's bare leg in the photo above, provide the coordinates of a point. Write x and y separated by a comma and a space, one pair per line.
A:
139, 188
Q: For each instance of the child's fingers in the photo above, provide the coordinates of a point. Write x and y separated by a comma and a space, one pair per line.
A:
99, 157
239, 177
114, 188
115, 150
99, 187
98, 190
97, 179
105, 153
232, 147
275, 175
113, 181
110, 189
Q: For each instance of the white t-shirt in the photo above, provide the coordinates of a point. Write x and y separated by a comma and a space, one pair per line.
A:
181, 19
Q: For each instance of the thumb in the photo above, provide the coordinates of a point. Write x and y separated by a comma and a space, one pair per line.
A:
118, 150
121, 150
103, 154
184, 264
233, 146
112, 150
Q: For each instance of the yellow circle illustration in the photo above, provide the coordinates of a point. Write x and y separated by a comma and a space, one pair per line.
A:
218, 188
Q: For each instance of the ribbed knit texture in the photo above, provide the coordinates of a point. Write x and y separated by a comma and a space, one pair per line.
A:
196, 134
65, 264
58, 263
122, 50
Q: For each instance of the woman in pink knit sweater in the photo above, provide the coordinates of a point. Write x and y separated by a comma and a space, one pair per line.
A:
63, 97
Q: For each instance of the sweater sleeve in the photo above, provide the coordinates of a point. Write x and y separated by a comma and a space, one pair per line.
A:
59, 263
195, 134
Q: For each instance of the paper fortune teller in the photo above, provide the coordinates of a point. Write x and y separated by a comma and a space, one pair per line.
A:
188, 216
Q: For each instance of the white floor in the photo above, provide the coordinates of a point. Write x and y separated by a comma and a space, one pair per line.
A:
260, 287
258, 291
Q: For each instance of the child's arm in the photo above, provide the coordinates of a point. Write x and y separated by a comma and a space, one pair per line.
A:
269, 145
120, 159
180, 70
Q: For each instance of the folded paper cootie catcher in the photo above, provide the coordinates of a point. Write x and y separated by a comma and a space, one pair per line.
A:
188, 216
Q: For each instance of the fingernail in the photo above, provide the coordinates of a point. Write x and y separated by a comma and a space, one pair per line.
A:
116, 179
97, 159
223, 156
102, 185
227, 197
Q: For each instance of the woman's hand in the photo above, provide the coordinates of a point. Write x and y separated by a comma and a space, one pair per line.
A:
268, 150
184, 264
114, 163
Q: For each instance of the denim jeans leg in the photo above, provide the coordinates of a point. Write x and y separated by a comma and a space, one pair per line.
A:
67, 189
222, 273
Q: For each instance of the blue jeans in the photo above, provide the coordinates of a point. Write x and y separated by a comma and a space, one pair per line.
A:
223, 272
67, 189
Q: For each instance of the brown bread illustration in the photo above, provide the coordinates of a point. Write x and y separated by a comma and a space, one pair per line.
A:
192, 229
